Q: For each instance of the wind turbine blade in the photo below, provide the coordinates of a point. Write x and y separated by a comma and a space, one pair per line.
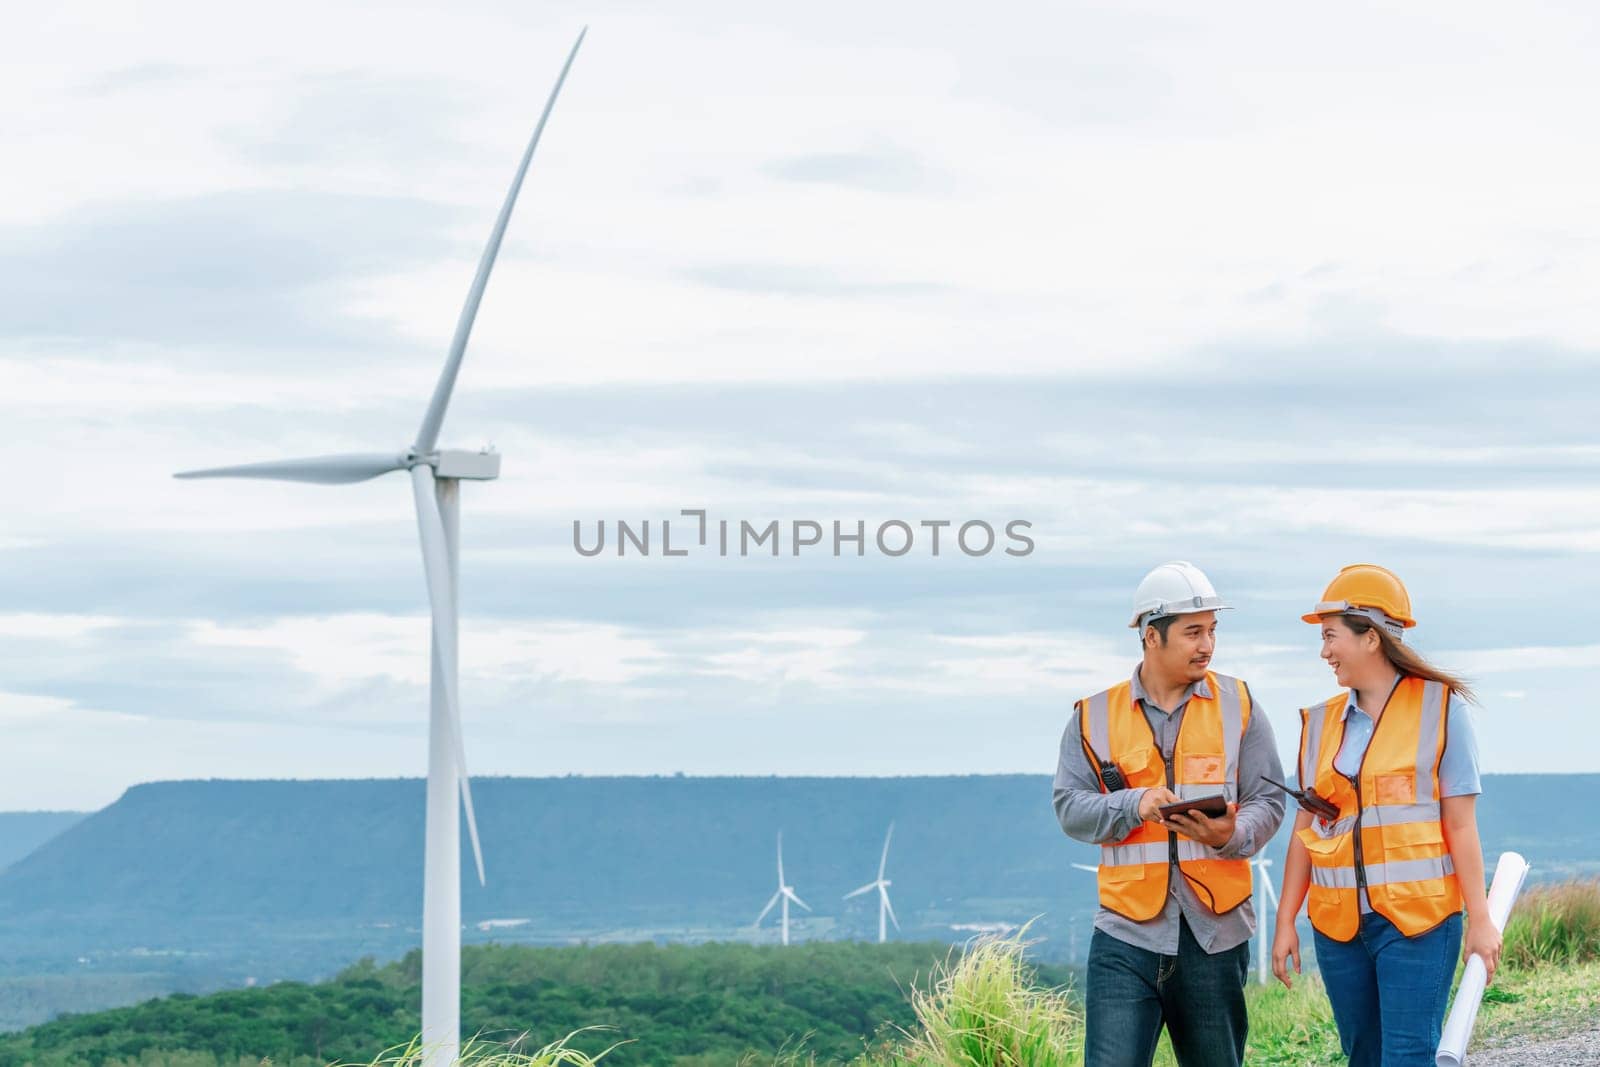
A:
322, 470
441, 597
428, 434
780, 859
884, 859
864, 889
768, 908
466, 804
889, 907
790, 894
1086, 867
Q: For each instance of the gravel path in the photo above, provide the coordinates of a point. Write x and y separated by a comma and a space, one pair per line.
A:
1577, 1050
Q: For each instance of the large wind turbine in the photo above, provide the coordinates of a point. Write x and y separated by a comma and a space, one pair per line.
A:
436, 475
882, 886
784, 894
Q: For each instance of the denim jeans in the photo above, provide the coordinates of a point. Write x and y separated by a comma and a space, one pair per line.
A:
1133, 992
1389, 991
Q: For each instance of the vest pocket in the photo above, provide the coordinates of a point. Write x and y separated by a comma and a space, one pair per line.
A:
1433, 886
1395, 788
1124, 872
1142, 768
1202, 768
1412, 841
1331, 912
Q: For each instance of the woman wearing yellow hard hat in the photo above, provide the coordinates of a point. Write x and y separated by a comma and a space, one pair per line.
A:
1386, 841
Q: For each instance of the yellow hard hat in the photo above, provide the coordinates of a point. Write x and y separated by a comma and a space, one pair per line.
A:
1370, 590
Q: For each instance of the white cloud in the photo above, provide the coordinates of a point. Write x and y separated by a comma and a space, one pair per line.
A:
1284, 202
36, 626
1509, 660
342, 650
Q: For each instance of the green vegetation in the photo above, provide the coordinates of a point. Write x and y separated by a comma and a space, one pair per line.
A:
1290, 1027
982, 1008
491, 1054
721, 1005
680, 1005
1557, 924
200, 886
1541, 1003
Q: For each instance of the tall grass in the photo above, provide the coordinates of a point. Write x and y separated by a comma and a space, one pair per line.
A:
980, 1008
479, 1053
1554, 924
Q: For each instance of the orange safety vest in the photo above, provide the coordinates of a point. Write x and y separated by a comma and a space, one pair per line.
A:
1388, 838
1205, 761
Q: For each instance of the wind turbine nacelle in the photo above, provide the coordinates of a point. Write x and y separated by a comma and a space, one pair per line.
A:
472, 466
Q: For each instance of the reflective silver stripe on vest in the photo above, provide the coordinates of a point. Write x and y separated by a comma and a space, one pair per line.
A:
1398, 814
1193, 850
1333, 877
1232, 728
1099, 720
1201, 790
1316, 715
1410, 870
1384, 873
1133, 855
1428, 729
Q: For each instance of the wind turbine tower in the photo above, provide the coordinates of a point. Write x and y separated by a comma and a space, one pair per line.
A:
885, 909
784, 894
1264, 930
436, 476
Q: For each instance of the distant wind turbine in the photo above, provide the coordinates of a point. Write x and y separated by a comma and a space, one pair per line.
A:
784, 894
882, 886
436, 475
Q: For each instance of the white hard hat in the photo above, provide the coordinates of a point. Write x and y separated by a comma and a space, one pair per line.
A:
1175, 588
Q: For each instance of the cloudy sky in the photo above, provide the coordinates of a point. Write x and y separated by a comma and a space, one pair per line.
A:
1266, 287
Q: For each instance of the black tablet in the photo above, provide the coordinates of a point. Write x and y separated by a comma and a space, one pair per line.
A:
1213, 806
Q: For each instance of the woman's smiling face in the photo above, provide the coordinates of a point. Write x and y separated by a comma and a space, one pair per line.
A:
1346, 651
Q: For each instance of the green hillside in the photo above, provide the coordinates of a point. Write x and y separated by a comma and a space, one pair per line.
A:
23, 831
199, 886
703, 1005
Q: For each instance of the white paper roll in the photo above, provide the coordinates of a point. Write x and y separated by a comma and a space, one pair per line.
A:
1509, 874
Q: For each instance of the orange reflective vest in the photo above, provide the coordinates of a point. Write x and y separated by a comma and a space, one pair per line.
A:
1205, 761
1388, 838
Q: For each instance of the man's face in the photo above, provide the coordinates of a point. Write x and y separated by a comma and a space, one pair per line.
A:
1191, 639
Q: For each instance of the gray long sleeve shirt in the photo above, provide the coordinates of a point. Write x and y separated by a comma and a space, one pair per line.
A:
1090, 815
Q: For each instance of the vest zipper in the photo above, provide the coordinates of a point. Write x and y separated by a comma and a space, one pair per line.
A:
1355, 784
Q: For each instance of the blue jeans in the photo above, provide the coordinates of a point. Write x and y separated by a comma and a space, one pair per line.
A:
1133, 992
1389, 991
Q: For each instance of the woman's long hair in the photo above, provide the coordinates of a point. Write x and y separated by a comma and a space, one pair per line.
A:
1408, 660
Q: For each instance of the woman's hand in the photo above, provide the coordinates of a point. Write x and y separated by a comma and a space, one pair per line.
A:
1482, 940
1286, 944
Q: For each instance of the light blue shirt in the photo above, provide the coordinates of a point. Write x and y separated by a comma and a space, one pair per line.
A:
1458, 765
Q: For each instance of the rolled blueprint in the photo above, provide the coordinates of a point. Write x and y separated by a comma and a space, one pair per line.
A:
1508, 876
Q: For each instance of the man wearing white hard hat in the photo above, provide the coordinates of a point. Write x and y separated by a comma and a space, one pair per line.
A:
1170, 946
